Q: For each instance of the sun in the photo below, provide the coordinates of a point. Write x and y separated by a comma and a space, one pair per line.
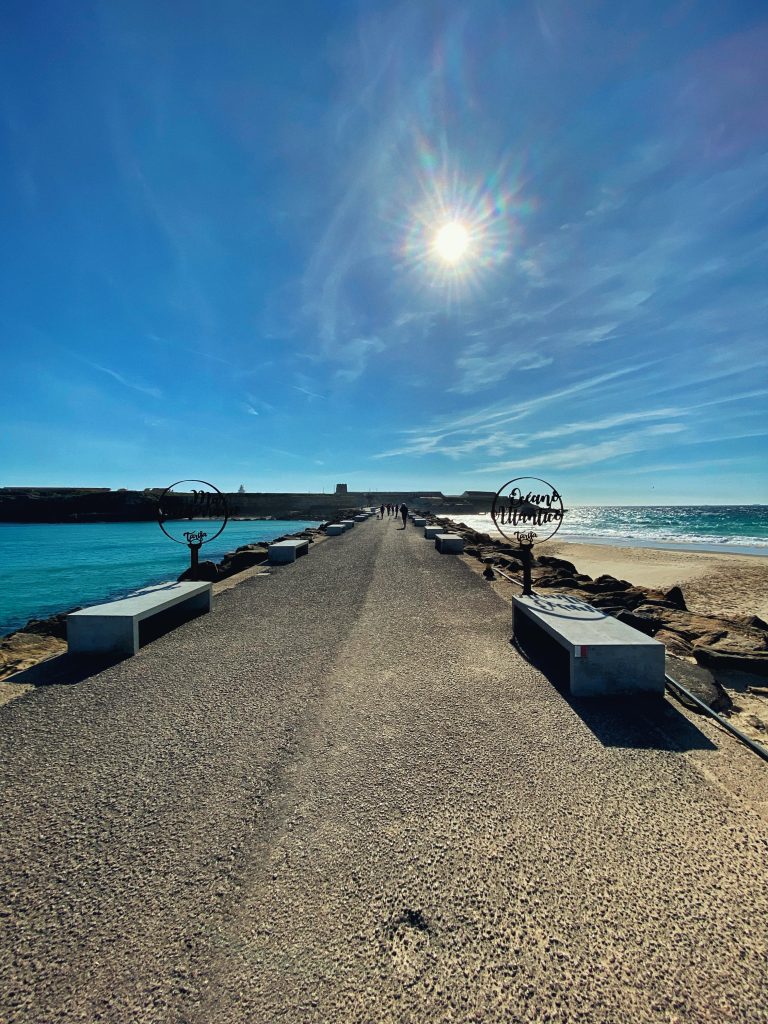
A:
451, 242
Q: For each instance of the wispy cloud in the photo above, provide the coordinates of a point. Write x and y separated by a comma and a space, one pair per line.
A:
356, 354
579, 456
480, 367
143, 389
306, 391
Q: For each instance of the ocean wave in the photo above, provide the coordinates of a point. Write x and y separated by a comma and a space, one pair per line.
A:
589, 525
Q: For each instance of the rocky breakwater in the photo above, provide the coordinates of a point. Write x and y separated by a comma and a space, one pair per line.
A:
40, 639
719, 644
247, 556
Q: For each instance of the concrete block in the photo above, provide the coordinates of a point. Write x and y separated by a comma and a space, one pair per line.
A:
284, 551
348, 523
113, 628
334, 529
449, 543
606, 657
430, 532
419, 521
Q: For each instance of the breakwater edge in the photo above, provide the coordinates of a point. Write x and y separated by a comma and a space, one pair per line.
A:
52, 569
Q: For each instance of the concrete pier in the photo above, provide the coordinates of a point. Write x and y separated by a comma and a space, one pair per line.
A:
344, 796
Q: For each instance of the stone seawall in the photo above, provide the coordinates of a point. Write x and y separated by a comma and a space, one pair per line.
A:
141, 506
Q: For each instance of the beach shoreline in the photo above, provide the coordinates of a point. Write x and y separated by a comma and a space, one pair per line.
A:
714, 583
723, 579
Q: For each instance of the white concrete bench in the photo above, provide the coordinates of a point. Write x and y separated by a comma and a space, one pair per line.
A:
347, 523
334, 529
605, 656
283, 551
361, 518
449, 543
430, 532
113, 628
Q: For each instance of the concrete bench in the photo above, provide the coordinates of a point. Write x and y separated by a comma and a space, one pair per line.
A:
449, 543
605, 656
361, 518
430, 532
334, 529
347, 523
419, 521
113, 628
283, 551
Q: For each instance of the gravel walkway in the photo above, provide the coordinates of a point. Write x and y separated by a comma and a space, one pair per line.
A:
343, 797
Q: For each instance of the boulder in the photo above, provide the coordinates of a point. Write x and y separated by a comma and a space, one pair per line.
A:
610, 583
675, 644
561, 582
687, 624
753, 662
557, 563
470, 549
508, 563
701, 683
674, 597
241, 560
741, 650
620, 599
54, 625
645, 622
751, 622
207, 572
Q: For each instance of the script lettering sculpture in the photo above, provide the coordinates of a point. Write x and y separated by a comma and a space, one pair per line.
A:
192, 504
524, 510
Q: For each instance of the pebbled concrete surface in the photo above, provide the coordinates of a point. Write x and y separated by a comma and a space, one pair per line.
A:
343, 796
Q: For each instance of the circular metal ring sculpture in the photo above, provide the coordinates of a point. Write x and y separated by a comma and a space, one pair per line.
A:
525, 511
203, 502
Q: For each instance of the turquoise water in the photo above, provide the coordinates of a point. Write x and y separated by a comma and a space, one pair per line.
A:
734, 528
49, 567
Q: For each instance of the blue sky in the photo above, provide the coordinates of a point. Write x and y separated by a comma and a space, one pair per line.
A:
219, 256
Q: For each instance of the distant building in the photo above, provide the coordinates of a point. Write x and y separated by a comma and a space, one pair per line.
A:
341, 488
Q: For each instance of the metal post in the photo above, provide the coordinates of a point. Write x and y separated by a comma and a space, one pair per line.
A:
527, 561
195, 542
193, 560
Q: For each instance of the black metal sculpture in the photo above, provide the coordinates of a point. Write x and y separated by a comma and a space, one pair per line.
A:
526, 507
193, 504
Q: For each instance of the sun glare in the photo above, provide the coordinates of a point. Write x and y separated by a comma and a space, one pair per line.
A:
451, 242
456, 231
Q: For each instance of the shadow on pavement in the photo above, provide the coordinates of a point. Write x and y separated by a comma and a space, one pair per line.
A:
636, 722
64, 670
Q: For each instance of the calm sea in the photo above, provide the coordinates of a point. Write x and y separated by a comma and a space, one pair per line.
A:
48, 567
739, 529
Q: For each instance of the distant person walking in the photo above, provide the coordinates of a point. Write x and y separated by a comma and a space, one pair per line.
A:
404, 514
381, 512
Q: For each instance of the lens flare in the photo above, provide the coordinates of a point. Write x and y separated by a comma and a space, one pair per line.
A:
455, 231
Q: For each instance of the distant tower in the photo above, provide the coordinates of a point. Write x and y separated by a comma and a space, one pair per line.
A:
341, 488
241, 489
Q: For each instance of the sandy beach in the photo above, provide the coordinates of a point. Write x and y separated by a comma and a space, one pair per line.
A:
714, 584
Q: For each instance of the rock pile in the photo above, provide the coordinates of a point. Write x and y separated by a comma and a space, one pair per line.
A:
245, 557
